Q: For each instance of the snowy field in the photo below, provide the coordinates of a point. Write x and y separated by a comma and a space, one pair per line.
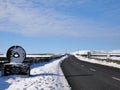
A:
98, 62
44, 76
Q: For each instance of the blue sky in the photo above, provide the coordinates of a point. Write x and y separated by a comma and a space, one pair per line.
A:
57, 26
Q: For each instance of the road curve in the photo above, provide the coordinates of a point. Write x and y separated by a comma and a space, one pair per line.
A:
86, 76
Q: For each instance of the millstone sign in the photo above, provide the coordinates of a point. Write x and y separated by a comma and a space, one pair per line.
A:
16, 56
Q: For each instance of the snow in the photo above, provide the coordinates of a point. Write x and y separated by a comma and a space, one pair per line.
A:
81, 52
44, 76
40, 55
97, 52
98, 62
115, 58
2, 55
102, 54
115, 51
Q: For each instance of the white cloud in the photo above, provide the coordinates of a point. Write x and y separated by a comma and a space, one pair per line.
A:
39, 20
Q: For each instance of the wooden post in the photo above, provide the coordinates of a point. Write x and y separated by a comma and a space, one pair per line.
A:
89, 54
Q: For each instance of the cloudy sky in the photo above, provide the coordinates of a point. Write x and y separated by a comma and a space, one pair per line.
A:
50, 26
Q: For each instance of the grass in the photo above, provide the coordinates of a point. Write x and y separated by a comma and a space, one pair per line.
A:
108, 60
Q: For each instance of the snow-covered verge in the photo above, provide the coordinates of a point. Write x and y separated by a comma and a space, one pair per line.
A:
44, 76
98, 62
101, 54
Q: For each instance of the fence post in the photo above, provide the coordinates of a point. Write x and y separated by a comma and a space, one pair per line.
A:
89, 54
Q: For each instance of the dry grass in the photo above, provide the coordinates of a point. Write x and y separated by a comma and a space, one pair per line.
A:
108, 60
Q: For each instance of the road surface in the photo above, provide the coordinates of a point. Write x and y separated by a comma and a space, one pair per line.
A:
86, 76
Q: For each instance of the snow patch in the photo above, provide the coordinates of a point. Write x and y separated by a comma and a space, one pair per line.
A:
44, 76
98, 62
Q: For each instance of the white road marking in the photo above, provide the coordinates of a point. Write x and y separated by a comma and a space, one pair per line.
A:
118, 79
92, 69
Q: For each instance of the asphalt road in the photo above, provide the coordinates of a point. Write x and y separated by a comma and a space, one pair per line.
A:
86, 76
